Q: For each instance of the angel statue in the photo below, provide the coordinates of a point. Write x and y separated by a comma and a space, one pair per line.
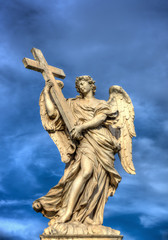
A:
102, 129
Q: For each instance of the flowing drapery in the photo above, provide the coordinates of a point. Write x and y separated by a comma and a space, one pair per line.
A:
99, 146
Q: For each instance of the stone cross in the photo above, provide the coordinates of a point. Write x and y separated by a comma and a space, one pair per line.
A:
48, 72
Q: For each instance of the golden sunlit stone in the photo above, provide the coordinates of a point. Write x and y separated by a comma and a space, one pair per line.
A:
88, 133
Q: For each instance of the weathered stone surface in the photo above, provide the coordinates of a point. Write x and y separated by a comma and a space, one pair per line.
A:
88, 133
83, 237
77, 228
48, 73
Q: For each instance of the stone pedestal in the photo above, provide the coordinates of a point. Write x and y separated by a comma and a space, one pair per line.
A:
79, 231
80, 237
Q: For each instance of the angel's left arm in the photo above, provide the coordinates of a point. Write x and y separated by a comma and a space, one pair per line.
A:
102, 115
98, 120
95, 122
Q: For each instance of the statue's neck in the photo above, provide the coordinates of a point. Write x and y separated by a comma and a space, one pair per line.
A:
88, 96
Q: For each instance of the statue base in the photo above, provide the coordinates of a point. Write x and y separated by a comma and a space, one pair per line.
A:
81, 237
79, 231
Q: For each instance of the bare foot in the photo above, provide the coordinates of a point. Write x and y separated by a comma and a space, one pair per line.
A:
65, 218
90, 221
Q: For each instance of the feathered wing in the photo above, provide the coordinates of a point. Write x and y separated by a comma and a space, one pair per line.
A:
56, 129
123, 125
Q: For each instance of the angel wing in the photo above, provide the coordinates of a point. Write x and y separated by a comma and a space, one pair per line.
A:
123, 127
56, 129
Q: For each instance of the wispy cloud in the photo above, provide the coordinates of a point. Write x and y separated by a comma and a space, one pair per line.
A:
23, 228
149, 221
15, 202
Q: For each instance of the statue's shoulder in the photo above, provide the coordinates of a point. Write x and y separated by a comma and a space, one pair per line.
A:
101, 102
75, 98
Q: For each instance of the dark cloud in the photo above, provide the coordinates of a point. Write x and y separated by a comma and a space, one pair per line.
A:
138, 232
3, 236
23, 228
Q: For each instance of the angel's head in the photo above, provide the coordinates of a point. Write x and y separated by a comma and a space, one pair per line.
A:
80, 82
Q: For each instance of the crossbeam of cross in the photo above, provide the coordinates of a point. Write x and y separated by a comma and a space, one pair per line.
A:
40, 65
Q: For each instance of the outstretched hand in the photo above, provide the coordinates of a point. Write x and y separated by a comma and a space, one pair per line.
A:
76, 133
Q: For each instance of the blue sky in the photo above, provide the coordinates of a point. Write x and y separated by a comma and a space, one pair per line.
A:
123, 43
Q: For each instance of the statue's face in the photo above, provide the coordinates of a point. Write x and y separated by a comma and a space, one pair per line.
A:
84, 87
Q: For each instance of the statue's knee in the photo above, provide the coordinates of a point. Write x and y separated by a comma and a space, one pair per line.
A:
86, 174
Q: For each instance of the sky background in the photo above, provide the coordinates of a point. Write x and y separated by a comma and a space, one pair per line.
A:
121, 42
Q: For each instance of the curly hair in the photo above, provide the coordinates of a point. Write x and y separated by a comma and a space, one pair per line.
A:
88, 79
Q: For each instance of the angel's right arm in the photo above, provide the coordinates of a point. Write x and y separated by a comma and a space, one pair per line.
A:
50, 107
